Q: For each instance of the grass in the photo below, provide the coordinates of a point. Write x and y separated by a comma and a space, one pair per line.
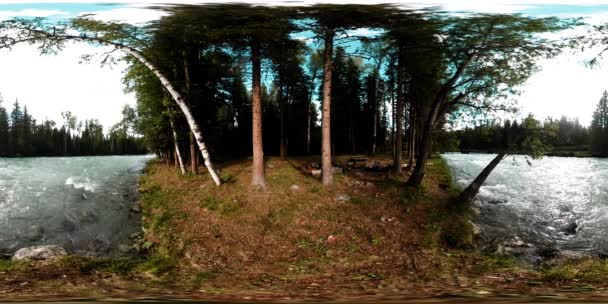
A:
588, 271
494, 262
276, 240
10, 265
219, 205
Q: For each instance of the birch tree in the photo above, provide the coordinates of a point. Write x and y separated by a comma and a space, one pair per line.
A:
131, 40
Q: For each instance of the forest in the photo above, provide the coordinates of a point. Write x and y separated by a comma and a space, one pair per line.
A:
322, 79
297, 158
565, 136
21, 135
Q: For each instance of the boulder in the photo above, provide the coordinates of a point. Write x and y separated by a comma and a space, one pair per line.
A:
45, 252
294, 187
569, 255
547, 252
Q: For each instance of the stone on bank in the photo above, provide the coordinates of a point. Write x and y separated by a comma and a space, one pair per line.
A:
45, 252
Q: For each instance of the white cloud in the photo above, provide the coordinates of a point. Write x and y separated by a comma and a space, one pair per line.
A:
131, 15
565, 86
4, 15
51, 84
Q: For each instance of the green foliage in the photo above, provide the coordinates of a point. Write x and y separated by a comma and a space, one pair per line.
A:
222, 206
563, 135
493, 262
589, 271
20, 135
159, 264
599, 127
10, 265
86, 265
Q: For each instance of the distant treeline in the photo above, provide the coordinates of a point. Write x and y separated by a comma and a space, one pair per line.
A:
21, 135
566, 136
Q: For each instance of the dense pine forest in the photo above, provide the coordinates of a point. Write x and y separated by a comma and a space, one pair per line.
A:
21, 135
565, 136
218, 82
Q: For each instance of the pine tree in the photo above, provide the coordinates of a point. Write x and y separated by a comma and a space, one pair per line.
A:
4, 131
599, 127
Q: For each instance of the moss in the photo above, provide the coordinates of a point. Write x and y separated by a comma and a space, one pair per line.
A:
85, 265
589, 271
204, 276
493, 262
457, 232
10, 265
159, 264
222, 206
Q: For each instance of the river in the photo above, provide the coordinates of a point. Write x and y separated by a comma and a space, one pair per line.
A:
555, 204
84, 204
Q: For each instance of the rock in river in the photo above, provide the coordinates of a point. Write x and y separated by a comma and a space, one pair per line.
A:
570, 229
45, 252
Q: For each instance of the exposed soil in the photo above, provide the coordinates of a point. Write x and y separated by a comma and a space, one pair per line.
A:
366, 237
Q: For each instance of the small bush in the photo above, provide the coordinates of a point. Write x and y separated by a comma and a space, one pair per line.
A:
159, 264
590, 271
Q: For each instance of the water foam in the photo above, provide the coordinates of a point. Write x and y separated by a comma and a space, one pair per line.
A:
81, 183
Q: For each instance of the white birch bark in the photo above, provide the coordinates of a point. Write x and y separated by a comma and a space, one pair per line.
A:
179, 154
175, 95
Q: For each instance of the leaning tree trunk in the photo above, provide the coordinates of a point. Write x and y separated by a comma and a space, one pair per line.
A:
399, 114
466, 197
177, 152
177, 97
422, 155
257, 174
326, 119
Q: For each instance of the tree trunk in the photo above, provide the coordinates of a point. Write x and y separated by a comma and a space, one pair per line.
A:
178, 155
193, 155
257, 174
281, 100
193, 161
375, 126
326, 119
412, 136
177, 97
466, 197
308, 124
422, 155
399, 114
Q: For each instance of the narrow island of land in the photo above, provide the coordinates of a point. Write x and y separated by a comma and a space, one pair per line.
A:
365, 237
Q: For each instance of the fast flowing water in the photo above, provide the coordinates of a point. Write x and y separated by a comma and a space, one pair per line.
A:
80, 203
556, 202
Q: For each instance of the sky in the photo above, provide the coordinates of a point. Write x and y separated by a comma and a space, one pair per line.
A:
49, 85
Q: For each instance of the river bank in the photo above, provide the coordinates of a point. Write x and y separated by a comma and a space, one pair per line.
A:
366, 237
